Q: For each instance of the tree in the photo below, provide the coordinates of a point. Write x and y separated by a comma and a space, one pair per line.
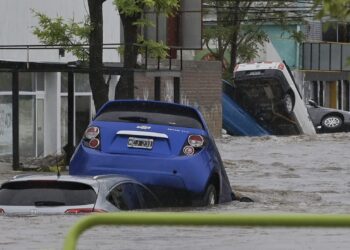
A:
72, 35
132, 17
238, 26
336, 9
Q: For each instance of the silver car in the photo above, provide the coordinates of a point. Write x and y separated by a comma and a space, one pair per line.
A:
51, 194
328, 119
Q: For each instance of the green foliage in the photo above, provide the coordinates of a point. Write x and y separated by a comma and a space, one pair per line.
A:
337, 9
239, 25
131, 8
251, 41
71, 35
154, 49
68, 34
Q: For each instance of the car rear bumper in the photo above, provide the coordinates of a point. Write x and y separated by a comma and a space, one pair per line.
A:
175, 172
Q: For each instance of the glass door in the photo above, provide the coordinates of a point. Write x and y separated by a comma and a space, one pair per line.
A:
40, 128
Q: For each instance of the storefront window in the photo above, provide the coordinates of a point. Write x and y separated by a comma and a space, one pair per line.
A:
5, 125
5, 81
26, 81
82, 83
40, 82
40, 127
27, 130
64, 82
64, 120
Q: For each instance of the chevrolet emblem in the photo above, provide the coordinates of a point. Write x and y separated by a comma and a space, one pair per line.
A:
143, 127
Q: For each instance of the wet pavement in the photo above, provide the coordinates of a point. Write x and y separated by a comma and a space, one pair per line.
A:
299, 174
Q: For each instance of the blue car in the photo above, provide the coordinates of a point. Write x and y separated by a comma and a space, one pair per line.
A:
165, 146
235, 120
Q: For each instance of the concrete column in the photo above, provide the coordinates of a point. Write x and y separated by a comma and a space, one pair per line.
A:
52, 114
333, 94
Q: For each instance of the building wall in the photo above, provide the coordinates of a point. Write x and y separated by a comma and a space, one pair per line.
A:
200, 86
286, 47
17, 22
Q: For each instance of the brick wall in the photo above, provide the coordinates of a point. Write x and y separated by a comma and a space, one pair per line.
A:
200, 86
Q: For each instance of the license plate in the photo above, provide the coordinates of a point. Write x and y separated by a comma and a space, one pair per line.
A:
135, 142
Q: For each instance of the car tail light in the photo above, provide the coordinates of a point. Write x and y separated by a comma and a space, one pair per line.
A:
188, 150
193, 145
2, 211
83, 210
196, 141
281, 66
94, 143
91, 132
91, 137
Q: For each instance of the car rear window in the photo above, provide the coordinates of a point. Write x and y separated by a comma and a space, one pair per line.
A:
152, 113
46, 193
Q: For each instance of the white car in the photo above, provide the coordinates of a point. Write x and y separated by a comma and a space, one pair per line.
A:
65, 194
268, 92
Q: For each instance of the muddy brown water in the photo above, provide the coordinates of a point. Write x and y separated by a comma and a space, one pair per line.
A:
299, 174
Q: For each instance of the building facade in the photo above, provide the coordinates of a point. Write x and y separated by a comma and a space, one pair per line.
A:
43, 103
43, 97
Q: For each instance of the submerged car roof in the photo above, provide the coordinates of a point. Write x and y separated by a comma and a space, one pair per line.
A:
93, 181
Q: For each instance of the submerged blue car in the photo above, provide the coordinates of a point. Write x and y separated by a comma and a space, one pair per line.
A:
165, 146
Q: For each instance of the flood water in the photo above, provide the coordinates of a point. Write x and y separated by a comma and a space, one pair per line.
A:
299, 174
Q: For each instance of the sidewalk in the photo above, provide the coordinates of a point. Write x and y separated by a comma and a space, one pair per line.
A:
6, 171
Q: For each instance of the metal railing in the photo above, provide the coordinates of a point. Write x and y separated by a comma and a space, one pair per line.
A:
202, 219
325, 56
147, 62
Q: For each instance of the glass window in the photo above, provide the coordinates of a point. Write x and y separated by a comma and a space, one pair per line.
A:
26, 81
64, 82
27, 126
5, 125
124, 197
5, 81
152, 113
330, 34
82, 83
82, 115
40, 81
46, 193
40, 127
148, 200
64, 120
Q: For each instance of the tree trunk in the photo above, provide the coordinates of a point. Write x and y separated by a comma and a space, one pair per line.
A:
234, 39
125, 87
98, 85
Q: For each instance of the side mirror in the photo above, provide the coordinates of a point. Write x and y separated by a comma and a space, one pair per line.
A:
313, 103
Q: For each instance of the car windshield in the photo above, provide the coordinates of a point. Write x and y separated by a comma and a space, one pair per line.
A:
46, 193
152, 113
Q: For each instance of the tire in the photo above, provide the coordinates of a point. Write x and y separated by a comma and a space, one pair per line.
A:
332, 122
211, 196
288, 102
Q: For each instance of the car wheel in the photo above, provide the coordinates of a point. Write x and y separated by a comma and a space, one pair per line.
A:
288, 102
210, 197
332, 122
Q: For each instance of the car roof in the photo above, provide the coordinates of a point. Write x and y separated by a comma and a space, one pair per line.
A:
109, 180
161, 103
